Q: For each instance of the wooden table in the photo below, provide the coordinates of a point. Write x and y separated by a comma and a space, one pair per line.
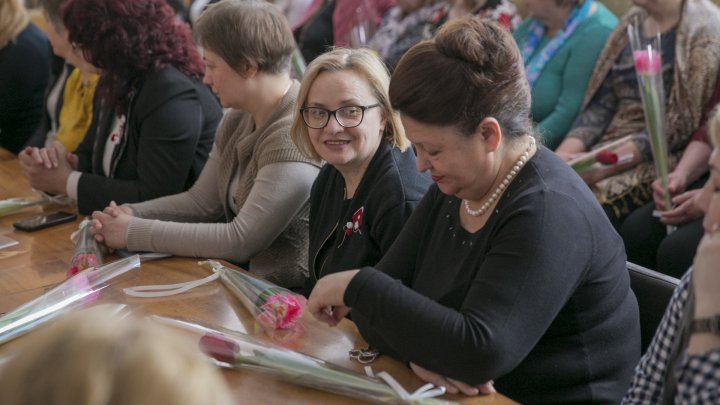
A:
41, 260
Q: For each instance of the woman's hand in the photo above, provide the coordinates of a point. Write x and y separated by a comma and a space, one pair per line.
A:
326, 299
626, 148
706, 283
47, 169
452, 386
677, 183
111, 226
706, 276
569, 149
686, 209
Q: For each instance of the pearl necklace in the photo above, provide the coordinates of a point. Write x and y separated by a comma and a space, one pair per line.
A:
508, 179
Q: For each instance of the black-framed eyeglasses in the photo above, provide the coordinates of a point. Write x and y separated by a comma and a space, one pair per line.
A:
347, 117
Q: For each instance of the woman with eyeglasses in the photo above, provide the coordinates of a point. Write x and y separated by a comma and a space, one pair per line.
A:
256, 183
507, 270
369, 186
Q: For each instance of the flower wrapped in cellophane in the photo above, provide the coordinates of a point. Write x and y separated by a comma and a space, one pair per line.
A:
88, 253
242, 351
297, 64
363, 25
80, 290
11, 205
602, 157
648, 68
276, 309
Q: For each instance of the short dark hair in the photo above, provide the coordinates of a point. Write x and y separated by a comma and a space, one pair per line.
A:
471, 70
247, 33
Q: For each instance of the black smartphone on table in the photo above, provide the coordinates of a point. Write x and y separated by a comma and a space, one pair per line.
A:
44, 221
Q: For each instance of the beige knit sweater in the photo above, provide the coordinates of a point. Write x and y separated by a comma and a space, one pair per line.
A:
271, 231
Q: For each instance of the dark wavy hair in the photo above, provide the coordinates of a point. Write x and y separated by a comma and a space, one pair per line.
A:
127, 38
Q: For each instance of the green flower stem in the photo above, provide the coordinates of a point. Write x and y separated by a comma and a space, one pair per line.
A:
652, 104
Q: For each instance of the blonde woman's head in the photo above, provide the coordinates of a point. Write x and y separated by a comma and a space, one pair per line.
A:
94, 357
365, 64
13, 19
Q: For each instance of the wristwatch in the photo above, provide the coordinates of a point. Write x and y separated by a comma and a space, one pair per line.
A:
706, 325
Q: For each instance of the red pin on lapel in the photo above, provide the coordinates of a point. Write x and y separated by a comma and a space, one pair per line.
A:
353, 226
357, 220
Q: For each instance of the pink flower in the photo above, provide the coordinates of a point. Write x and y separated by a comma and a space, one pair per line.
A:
80, 284
73, 271
81, 262
281, 311
219, 347
647, 62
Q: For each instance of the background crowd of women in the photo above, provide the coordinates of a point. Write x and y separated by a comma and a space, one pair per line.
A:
509, 264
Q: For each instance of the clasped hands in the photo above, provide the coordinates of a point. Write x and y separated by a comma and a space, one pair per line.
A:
688, 205
110, 226
326, 303
47, 169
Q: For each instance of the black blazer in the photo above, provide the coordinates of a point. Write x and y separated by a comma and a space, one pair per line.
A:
388, 193
169, 131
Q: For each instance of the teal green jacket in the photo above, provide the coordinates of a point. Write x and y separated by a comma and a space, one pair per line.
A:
559, 90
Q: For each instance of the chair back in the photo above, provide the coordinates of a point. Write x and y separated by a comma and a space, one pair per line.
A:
653, 291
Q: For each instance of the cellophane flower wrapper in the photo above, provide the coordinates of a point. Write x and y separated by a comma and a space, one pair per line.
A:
648, 68
80, 290
363, 25
602, 157
10, 205
297, 63
88, 253
242, 351
277, 310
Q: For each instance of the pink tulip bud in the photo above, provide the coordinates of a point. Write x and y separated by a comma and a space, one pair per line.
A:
219, 347
647, 62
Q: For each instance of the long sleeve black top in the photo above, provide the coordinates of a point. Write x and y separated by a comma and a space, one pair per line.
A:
386, 196
170, 130
538, 300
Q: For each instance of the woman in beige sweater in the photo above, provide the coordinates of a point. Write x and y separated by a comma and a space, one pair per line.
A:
255, 182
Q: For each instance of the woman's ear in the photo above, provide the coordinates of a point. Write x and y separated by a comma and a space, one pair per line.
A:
489, 131
248, 71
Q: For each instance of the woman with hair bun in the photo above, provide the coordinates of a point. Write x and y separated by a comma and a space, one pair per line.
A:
154, 121
507, 270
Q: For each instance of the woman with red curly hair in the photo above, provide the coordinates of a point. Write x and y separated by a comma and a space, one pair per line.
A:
155, 121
